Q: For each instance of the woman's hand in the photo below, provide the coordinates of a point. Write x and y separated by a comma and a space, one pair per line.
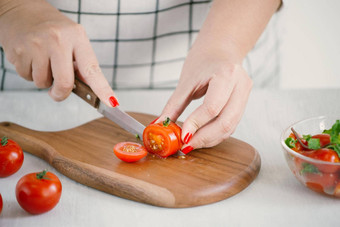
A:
46, 47
226, 87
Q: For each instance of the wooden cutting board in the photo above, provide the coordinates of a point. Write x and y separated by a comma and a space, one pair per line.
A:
85, 154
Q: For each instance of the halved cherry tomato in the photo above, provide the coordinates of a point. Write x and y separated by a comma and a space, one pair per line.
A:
298, 147
129, 151
0, 203
38, 192
324, 139
163, 139
11, 157
327, 155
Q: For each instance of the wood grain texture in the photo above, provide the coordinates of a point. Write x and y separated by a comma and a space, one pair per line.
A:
85, 155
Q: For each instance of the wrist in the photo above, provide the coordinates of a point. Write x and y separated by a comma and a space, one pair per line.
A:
225, 48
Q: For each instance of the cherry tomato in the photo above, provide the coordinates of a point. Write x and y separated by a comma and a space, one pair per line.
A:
11, 157
129, 151
38, 192
337, 190
327, 155
298, 148
324, 139
320, 182
0, 203
163, 139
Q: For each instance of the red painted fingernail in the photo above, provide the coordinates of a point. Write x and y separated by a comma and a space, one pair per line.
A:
154, 121
187, 149
113, 101
187, 138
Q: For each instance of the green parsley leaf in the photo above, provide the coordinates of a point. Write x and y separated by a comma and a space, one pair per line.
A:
306, 137
335, 147
290, 142
309, 168
327, 131
314, 143
335, 132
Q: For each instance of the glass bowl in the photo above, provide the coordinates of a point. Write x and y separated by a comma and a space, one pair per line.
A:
321, 176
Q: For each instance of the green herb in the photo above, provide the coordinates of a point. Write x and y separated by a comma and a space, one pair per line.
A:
166, 122
137, 137
334, 132
306, 137
4, 141
309, 168
290, 142
314, 143
327, 131
335, 147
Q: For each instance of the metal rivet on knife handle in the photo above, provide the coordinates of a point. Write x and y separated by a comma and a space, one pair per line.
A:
85, 92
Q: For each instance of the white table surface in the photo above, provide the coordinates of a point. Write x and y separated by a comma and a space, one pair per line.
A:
275, 198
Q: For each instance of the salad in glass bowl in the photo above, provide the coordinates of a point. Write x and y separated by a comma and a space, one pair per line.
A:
312, 151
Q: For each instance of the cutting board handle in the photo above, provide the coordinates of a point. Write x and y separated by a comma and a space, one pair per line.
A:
28, 140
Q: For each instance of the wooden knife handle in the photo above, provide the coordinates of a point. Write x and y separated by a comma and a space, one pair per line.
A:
85, 92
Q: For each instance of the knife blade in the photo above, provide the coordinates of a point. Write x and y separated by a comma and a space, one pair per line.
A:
115, 114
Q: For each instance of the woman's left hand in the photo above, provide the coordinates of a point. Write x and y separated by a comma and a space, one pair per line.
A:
226, 87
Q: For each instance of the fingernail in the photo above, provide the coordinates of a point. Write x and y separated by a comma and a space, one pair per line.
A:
187, 149
113, 101
154, 121
187, 138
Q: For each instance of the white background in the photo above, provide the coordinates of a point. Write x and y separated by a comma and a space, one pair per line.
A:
311, 48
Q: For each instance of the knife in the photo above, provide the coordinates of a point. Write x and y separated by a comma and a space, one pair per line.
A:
115, 114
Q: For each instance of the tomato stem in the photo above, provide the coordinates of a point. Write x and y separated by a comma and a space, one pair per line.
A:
4, 141
42, 175
167, 122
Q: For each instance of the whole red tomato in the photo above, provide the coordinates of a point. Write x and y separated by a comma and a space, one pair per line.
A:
0, 203
11, 157
38, 192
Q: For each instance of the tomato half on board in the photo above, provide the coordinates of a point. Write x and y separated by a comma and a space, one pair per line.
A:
163, 139
129, 151
38, 192
11, 157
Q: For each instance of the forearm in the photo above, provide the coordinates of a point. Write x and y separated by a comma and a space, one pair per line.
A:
232, 27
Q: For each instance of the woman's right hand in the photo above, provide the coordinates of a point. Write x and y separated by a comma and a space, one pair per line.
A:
46, 47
